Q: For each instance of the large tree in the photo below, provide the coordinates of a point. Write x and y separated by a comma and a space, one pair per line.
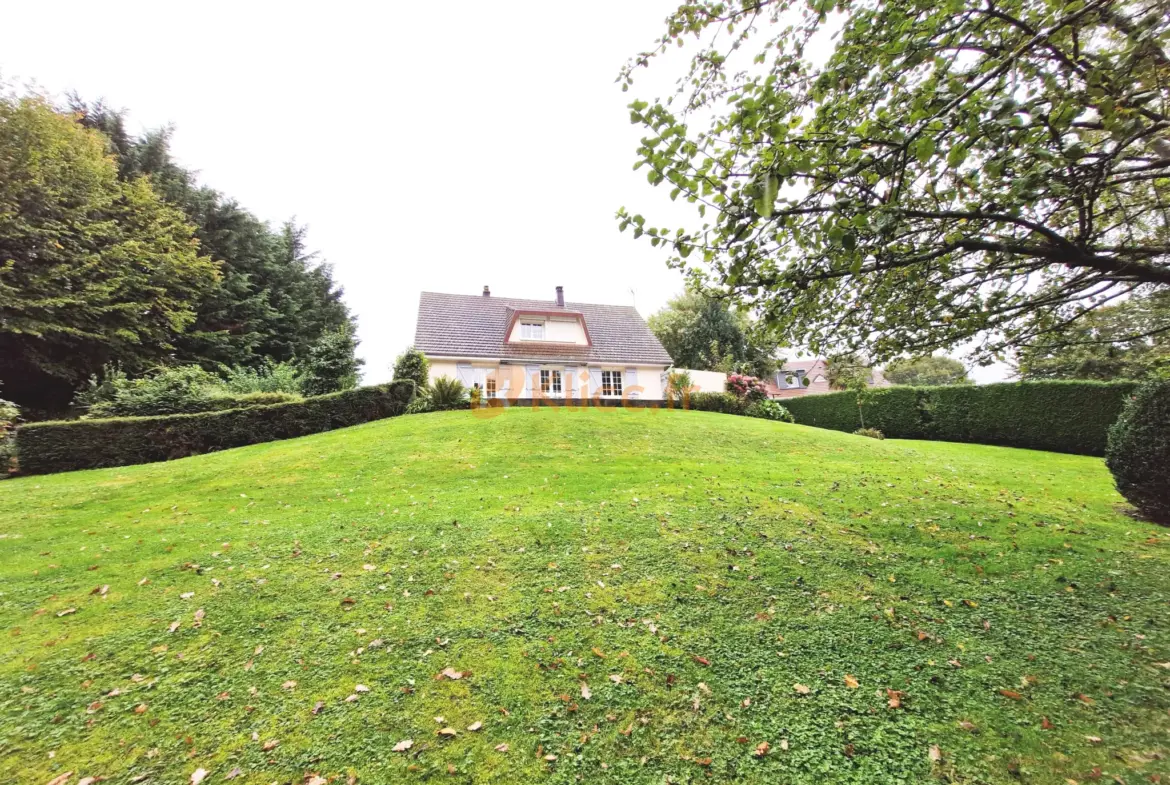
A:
906, 175
94, 269
276, 300
1130, 340
703, 334
931, 371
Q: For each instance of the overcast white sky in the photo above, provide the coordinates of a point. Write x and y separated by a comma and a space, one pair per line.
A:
427, 147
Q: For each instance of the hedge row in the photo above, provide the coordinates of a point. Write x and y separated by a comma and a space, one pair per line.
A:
89, 444
1071, 417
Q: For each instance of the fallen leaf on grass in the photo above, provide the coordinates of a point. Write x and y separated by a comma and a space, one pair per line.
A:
66, 612
851, 682
1093, 739
586, 693
616, 678
450, 673
550, 757
316, 779
94, 707
140, 708
935, 754
475, 726
87, 781
289, 685
448, 732
361, 688
598, 652
198, 776
101, 591
1045, 724
174, 626
61, 779
318, 707
236, 772
702, 660
966, 725
502, 747
1011, 694
895, 698
801, 688
762, 749
271, 744
784, 744
403, 745
1085, 699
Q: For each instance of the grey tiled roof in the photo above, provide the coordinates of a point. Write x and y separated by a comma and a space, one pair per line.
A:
459, 325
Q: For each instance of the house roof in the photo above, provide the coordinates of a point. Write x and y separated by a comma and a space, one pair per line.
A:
459, 325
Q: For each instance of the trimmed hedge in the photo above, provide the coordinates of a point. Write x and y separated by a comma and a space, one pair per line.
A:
1139, 451
89, 444
1060, 416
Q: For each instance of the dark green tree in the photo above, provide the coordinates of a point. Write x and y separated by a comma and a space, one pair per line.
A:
276, 299
929, 174
1130, 340
94, 269
412, 365
931, 371
703, 334
331, 365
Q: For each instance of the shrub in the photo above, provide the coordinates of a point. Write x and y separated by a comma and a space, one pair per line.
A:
447, 393
268, 378
678, 385
725, 402
87, 444
747, 388
1138, 453
1071, 417
769, 410
412, 365
872, 433
331, 365
183, 389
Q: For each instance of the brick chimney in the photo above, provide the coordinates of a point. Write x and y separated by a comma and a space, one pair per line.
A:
560, 297
487, 292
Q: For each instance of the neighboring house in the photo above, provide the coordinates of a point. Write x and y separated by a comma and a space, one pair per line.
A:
520, 349
789, 381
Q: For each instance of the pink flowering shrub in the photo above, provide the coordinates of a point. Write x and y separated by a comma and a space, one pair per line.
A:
746, 388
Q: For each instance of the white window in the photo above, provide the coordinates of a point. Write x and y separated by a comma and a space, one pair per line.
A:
489, 387
532, 331
611, 383
550, 382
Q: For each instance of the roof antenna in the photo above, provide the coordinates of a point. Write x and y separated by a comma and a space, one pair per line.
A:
634, 297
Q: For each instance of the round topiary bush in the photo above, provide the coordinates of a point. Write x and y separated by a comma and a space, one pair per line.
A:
1138, 452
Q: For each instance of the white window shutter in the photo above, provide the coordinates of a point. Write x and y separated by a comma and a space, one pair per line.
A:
465, 373
594, 382
531, 385
630, 382
569, 383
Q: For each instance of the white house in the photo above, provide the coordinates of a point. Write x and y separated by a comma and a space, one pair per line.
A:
521, 349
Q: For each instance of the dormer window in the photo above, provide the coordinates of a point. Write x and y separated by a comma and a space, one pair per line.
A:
532, 331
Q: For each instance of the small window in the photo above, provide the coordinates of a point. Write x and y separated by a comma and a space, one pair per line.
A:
532, 331
489, 386
550, 382
611, 383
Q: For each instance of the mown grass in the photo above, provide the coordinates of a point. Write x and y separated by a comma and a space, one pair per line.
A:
711, 562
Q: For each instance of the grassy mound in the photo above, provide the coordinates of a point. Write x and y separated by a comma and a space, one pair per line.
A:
624, 596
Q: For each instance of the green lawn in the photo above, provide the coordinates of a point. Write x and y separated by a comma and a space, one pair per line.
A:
648, 596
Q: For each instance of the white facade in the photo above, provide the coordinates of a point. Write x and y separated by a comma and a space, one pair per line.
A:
553, 380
